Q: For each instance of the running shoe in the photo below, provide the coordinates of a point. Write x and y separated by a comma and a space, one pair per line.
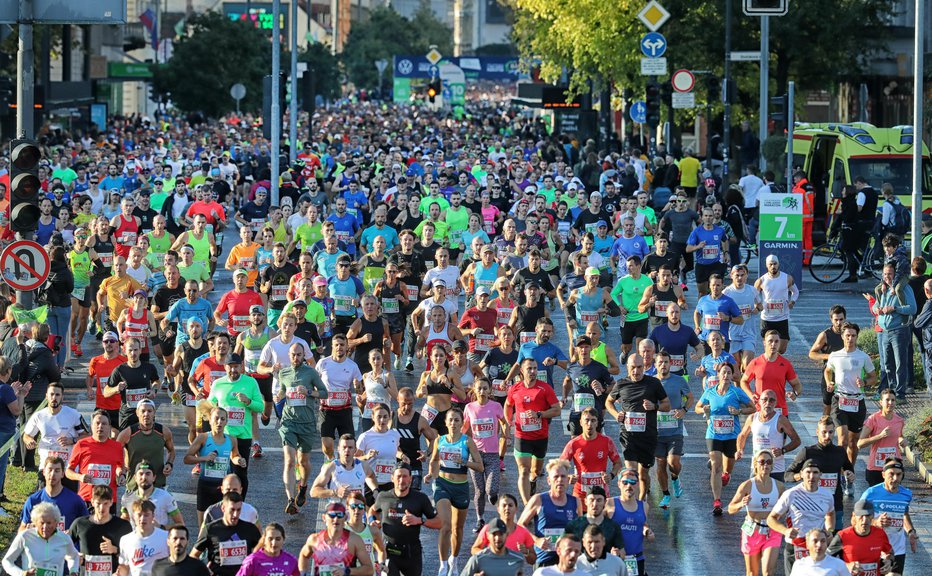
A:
76, 350
444, 569
397, 362
166, 385
301, 499
726, 478
454, 567
479, 526
501, 464
409, 366
717, 507
684, 287
677, 487
196, 471
256, 451
291, 508
665, 501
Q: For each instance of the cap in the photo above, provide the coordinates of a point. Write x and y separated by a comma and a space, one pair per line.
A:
438, 282
261, 190
240, 272
143, 464
234, 359
863, 508
597, 490
593, 271
583, 340
299, 302
488, 248
145, 402
140, 293
601, 223
335, 507
811, 463
460, 345
111, 336
532, 284
893, 463
482, 291
496, 526
256, 308
319, 281
772, 258
194, 320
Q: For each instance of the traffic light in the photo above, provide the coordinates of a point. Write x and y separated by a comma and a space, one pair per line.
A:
25, 187
652, 100
433, 89
779, 106
766, 7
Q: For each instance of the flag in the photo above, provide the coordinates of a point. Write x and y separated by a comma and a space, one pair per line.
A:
150, 21
180, 27
22, 316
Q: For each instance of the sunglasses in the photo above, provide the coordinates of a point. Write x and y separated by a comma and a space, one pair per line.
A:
110, 341
336, 515
629, 481
765, 462
357, 506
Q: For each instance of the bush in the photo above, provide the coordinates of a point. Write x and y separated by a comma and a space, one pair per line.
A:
918, 433
867, 341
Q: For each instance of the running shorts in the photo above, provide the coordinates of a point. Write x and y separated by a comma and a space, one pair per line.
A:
456, 493
335, 423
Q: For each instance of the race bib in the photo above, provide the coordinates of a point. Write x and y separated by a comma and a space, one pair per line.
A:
589, 479
217, 469
236, 416
677, 362
660, 309
135, 395
848, 403
775, 306
98, 565
636, 421
870, 568
343, 236
78, 293
552, 534
500, 387
896, 521
451, 458
412, 293
106, 258
293, 398
710, 252
338, 399
279, 293
503, 315
484, 342
800, 552
712, 322
128, 239
542, 375
829, 481
631, 563
881, 455
483, 428
240, 323
343, 304
723, 425
529, 421
527, 337
247, 263
47, 568
233, 553
667, 421
256, 224
585, 319
383, 471
488, 226
101, 474
583, 400
390, 306
429, 413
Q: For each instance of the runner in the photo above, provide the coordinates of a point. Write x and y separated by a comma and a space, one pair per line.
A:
891, 499
833, 463
479, 324
661, 293
412, 426
165, 506
342, 378
883, 432
778, 294
828, 341
544, 352
628, 293
237, 304
68, 504
249, 345
380, 388
215, 450
274, 281
81, 260
371, 535
97, 459
392, 293
151, 441
165, 296
43, 548
594, 559
676, 340
589, 382
630, 513
800, 509
670, 426
269, 559
771, 371
712, 244
345, 475
134, 380
863, 547
182, 367
227, 541
55, 429
438, 385
547, 514
816, 561
590, 453
98, 535
346, 289
141, 548
379, 447
741, 336
759, 544
590, 303
716, 312
368, 332
769, 431
178, 563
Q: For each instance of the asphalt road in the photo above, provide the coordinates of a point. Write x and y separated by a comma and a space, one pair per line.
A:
689, 540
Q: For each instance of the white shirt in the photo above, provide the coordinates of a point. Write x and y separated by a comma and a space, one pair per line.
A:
828, 566
276, 352
48, 428
751, 186
338, 378
427, 305
165, 505
139, 553
554, 571
806, 509
611, 565
386, 446
847, 367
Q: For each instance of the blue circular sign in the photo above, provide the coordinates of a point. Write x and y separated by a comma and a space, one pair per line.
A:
638, 112
653, 45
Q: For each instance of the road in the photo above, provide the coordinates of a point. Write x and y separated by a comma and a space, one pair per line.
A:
689, 539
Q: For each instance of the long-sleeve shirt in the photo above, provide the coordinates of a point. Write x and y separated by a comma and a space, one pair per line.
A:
37, 552
900, 315
923, 322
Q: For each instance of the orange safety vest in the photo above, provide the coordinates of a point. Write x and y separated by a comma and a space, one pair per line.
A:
808, 199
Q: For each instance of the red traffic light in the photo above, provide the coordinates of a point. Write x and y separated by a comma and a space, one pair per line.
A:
25, 185
25, 155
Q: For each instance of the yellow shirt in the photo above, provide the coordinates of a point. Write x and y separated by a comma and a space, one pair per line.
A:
119, 293
689, 172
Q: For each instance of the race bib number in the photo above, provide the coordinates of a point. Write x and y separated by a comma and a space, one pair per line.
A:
870, 568
331, 570
78, 293
390, 306
775, 306
848, 403
47, 568
800, 552
294, 398
451, 458
631, 563
896, 521
829, 481
101, 474
527, 337
98, 565
667, 421
279, 293
499, 387
660, 309
135, 395
217, 469
635, 421
383, 471
589, 479
563, 229
240, 323
412, 293
723, 425
247, 263
236, 416
233, 553
710, 252
488, 226
106, 258
503, 315
585, 319
483, 428
746, 311
343, 236
429, 413
542, 375
128, 239
552, 534
63, 454
677, 362
338, 398
881, 455
256, 224
343, 304
529, 421
583, 400
484, 342
712, 322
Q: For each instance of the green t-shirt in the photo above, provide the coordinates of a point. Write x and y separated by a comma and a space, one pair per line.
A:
441, 230
631, 290
298, 412
308, 234
157, 199
239, 415
550, 194
196, 271
66, 175
315, 313
458, 221
428, 200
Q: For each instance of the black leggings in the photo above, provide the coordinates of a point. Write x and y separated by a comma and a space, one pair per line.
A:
405, 559
243, 445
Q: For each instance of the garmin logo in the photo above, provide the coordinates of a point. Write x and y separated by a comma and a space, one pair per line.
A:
782, 245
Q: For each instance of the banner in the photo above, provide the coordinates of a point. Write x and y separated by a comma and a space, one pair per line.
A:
781, 233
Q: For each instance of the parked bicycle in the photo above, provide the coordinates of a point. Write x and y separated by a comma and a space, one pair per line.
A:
829, 262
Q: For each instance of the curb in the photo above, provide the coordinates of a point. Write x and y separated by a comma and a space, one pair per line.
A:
913, 459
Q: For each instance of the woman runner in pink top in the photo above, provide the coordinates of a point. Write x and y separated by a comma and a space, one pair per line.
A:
269, 559
484, 420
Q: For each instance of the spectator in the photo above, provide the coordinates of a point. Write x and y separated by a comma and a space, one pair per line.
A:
894, 318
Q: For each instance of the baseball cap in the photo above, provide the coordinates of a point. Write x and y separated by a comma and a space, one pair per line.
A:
299, 302
240, 272
532, 284
482, 291
438, 282
256, 308
488, 248
496, 526
601, 223
140, 293
233, 359
319, 281
583, 340
863, 508
812, 463
593, 271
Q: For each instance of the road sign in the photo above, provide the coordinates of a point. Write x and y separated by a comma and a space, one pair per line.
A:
434, 56
638, 112
683, 81
653, 66
745, 56
766, 7
653, 15
237, 91
25, 265
380, 65
781, 232
653, 45
683, 99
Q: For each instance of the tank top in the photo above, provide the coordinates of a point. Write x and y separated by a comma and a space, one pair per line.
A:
343, 292
526, 321
503, 312
598, 354
486, 276
137, 327
377, 330
388, 297
765, 435
149, 447
263, 259
449, 451
833, 343
658, 314
80, 263
632, 527
435, 337
201, 247
189, 354
410, 441
466, 378
376, 393
252, 348
552, 521
775, 298
215, 471
104, 250
332, 559
372, 273
366, 536
355, 478
159, 245
45, 230
125, 235
587, 309
281, 232
763, 502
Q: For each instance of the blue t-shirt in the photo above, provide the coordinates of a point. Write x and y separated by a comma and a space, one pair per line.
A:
709, 362
354, 204
182, 311
722, 424
345, 227
895, 506
540, 352
604, 245
7, 419
676, 343
387, 232
69, 504
709, 310
677, 390
711, 253
624, 247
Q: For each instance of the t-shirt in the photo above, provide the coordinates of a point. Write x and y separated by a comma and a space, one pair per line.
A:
392, 508
226, 547
99, 460
139, 553
245, 257
183, 310
895, 506
69, 504
47, 428
139, 382
236, 305
805, 509
885, 447
582, 379
628, 292
827, 566
387, 232
847, 367
865, 550
475, 318
677, 389
722, 425
338, 378
632, 395
709, 310
239, 417
526, 402
90, 536
484, 423
591, 458
771, 376
711, 252
261, 564
187, 567
165, 505
676, 342
747, 299
519, 537
541, 352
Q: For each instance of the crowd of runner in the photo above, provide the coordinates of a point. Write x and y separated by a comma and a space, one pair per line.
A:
437, 248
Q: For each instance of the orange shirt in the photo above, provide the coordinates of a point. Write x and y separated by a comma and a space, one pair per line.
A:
245, 257
100, 369
119, 292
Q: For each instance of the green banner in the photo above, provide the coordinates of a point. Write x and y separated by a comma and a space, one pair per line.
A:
129, 70
401, 90
781, 217
24, 316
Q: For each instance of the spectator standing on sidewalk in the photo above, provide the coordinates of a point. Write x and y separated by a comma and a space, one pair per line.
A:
895, 320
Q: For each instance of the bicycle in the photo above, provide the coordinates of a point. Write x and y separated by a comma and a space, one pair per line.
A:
829, 262
749, 252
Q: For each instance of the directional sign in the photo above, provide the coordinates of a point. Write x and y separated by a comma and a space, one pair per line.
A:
653, 45
683, 80
638, 112
25, 265
653, 15
744, 56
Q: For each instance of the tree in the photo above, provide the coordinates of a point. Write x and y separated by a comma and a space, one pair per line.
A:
326, 66
216, 54
387, 34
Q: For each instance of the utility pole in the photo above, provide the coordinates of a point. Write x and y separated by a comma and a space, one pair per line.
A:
726, 96
276, 114
293, 119
790, 121
918, 95
26, 74
764, 88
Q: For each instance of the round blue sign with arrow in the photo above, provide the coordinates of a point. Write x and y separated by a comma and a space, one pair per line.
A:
653, 45
638, 112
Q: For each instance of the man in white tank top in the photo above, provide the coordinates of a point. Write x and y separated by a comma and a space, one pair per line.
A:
778, 295
769, 431
345, 475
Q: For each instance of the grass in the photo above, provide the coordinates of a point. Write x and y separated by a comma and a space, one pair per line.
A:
19, 485
918, 433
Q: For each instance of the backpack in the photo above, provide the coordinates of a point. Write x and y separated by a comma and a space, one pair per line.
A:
900, 224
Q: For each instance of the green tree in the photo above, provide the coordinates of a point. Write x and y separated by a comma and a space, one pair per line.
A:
326, 66
387, 34
216, 54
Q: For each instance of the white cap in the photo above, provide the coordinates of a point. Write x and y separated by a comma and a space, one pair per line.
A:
772, 258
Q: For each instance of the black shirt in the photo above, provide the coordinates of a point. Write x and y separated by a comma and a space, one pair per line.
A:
653, 262
137, 379
832, 459
393, 508
583, 377
524, 275
89, 536
145, 218
221, 539
278, 279
587, 217
427, 254
250, 211
187, 567
164, 298
632, 395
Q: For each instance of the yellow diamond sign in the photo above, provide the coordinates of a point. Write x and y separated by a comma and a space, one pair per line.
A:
434, 56
653, 15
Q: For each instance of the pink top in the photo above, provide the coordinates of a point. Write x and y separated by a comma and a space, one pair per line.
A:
885, 447
519, 536
483, 422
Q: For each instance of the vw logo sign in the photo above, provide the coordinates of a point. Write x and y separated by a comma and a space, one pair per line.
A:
405, 67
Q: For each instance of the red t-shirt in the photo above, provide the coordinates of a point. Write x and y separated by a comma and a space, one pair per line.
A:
771, 376
865, 550
475, 318
237, 307
124, 237
591, 459
208, 371
97, 459
212, 211
519, 536
526, 402
100, 370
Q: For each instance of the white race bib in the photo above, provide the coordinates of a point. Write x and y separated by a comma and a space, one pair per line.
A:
529, 421
723, 424
135, 395
667, 421
98, 565
582, 400
100, 474
236, 416
338, 399
483, 428
233, 553
881, 455
636, 421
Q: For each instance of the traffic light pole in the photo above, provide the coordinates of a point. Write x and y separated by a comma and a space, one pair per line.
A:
25, 86
293, 107
276, 108
764, 87
726, 97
